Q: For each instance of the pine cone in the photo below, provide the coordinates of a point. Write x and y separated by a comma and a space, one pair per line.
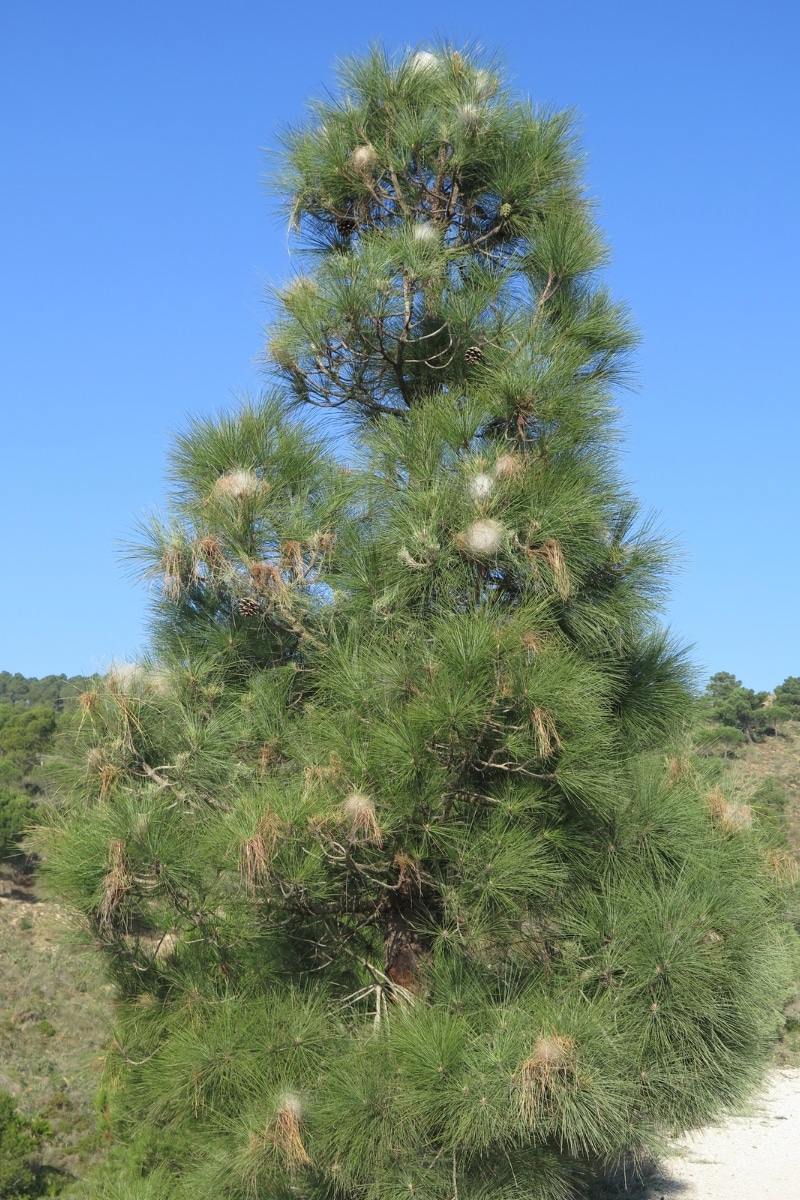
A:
474, 355
345, 226
248, 607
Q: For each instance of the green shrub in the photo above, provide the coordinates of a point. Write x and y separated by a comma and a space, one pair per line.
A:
16, 813
770, 795
20, 1175
718, 739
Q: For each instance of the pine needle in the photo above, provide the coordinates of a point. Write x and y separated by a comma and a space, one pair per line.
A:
256, 855
116, 882
544, 732
551, 554
284, 1133
267, 577
732, 817
551, 1063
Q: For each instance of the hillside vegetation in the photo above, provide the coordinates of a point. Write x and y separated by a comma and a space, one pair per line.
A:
53, 1007
31, 713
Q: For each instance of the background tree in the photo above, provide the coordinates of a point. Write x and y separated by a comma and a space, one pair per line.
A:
17, 813
55, 690
787, 695
736, 707
26, 735
379, 845
31, 713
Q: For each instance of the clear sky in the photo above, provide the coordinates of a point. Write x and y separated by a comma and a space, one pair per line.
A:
136, 242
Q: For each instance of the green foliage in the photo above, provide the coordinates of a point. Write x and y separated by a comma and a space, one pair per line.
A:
20, 1175
386, 846
16, 814
25, 732
769, 800
718, 739
445, 214
32, 712
787, 695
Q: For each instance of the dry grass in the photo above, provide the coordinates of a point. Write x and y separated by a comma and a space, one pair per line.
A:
778, 758
55, 1010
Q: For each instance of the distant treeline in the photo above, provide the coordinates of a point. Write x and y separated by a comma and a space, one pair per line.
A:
31, 711
53, 690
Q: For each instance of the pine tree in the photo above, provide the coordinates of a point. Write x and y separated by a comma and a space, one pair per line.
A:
390, 847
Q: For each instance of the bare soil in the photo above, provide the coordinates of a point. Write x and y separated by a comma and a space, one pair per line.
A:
753, 1157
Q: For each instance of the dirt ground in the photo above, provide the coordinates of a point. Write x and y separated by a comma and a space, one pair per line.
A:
755, 1157
779, 757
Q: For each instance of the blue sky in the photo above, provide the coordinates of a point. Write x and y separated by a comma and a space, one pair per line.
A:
137, 242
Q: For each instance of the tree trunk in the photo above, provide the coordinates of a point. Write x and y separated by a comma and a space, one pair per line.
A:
405, 950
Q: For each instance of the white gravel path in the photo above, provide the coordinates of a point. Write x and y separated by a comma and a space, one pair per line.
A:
746, 1158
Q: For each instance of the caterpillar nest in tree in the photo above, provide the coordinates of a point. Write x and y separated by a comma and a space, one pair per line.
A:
95, 759
292, 1103
482, 539
116, 882
125, 678
364, 158
159, 682
470, 116
107, 772
551, 1064
237, 485
285, 1133
359, 812
424, 231
730, 816
423, 60
278, 351
481, 487
301, 285
172, 586
485, 84
507, 465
